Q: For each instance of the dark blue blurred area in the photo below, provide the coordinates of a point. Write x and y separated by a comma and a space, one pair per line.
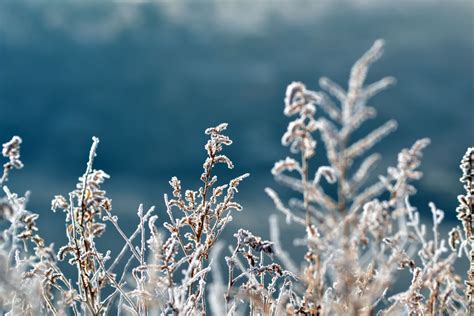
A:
148, 78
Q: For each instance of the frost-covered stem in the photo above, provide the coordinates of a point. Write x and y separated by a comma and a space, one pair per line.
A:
341, 197
90, 162
279, 251
82, 281
124, 248
342, 181
13, 230
91, 294
173, 221
203, 299
115, 284
124, 237
4, 177
205, 208
170, 289
304, 176
341, 194
49, 304
204, 195
69, 286
142, 305
230, 283
432, 303
109, 299
225, 203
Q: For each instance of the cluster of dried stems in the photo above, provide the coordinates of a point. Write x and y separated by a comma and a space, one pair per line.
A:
357, 235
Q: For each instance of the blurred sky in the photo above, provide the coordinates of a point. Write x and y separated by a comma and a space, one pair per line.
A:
148, 77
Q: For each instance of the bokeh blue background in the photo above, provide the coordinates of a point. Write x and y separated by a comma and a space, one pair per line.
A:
148, 77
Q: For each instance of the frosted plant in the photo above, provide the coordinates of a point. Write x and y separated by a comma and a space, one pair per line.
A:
165, 272
356, 242
84, 209
336, 131
196, 221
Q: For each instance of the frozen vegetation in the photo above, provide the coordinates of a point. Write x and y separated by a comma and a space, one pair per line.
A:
358, 236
